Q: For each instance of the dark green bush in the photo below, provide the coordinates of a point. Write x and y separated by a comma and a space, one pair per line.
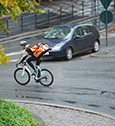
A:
14, 115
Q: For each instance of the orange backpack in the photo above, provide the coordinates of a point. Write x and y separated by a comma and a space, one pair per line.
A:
38, 49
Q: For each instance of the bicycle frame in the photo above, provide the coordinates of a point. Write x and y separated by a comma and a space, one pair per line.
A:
24, 66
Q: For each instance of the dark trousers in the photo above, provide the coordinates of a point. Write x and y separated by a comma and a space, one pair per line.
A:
33, 58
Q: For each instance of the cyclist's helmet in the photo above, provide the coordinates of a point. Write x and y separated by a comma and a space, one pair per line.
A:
23, 43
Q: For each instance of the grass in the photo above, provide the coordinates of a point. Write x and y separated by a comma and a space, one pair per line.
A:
14, 115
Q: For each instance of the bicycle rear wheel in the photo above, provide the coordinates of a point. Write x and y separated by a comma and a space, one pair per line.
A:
46, 77
20, 77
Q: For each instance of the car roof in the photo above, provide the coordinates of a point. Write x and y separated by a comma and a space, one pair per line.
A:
73, 25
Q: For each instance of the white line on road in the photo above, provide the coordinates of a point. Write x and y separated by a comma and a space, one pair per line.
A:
15, 60
15, 53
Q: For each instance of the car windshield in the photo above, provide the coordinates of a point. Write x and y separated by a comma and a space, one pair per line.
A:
59, 33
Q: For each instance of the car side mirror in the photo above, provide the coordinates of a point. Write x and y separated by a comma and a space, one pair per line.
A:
76, 37
45, 34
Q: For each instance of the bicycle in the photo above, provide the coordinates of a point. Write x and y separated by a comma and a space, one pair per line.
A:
22, 75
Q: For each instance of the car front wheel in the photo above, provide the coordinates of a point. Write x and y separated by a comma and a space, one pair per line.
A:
96, 46
69, 53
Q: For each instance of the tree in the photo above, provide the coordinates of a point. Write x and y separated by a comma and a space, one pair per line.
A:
3, 58
14, 8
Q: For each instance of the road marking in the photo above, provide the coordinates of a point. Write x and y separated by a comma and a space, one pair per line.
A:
15, 53
15, 60
85, 56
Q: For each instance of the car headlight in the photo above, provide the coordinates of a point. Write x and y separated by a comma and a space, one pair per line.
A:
56, 48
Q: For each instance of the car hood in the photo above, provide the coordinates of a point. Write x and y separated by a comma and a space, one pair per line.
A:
54, 42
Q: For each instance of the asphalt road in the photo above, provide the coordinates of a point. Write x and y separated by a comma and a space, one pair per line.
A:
83, 82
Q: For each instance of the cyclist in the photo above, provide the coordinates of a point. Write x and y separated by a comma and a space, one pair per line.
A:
27, 52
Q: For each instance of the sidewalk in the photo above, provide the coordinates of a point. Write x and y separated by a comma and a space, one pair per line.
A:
15, 28
57, 115
110, 53
104, 54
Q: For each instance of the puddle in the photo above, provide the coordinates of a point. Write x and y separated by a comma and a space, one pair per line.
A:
71, 102
93, 105
112, 108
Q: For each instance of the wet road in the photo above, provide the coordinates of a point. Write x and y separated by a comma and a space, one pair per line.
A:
83, 82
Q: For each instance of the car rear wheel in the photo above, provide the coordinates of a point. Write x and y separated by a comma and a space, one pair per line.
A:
96, 46
69, 53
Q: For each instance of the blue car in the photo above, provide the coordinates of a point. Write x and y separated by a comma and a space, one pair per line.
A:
68, 40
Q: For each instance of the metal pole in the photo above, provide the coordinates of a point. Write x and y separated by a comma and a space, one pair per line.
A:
48, 17
99, 24
83, 8
7, 27
72, 11
106, 33
60, 14
22, 23
98, 6
95, 7
35, 20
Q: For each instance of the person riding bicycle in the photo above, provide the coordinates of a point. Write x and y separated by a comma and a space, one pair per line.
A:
35, 53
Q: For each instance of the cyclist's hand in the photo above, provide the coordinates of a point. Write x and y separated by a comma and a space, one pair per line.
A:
16, 64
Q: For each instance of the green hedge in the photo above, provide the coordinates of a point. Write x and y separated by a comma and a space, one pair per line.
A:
14, 115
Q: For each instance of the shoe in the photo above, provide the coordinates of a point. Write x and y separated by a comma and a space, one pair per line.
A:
33, 74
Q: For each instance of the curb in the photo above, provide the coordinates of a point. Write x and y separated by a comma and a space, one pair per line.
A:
101, 56
105, 55
66, 107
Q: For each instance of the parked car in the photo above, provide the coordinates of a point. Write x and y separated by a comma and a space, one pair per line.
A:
68, 40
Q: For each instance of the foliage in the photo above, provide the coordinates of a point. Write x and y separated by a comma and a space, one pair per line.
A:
3, 58
11, 114
14, 8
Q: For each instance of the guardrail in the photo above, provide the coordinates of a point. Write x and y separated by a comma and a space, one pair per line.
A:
29, 22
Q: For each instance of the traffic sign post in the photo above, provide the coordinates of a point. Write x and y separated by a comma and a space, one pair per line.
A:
106, 32
106, 17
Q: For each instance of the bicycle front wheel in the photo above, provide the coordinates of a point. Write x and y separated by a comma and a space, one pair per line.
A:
21, 77
46, 77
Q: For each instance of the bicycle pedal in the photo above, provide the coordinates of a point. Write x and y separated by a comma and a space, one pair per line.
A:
37, 81
33, 74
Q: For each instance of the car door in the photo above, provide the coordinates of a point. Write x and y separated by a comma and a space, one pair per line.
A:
78, 40
87, 35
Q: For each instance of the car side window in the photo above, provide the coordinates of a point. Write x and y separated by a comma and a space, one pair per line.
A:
86, 30
77, 32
